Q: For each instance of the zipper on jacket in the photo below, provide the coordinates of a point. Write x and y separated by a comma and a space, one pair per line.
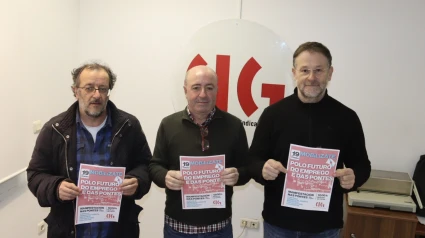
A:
66, 151
115, 135
67, 172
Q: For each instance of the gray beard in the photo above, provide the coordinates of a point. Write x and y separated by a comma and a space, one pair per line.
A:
310, 96
94, 115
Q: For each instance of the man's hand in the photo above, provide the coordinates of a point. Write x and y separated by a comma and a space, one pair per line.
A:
346, 177
129, 186
68, 191
272, 168
174, 180
229, 176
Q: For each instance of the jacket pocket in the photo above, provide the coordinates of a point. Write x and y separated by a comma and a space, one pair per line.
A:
54, 228
129, 211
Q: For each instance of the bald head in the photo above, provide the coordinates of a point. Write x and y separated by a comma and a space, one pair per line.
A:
200, 70
200, 88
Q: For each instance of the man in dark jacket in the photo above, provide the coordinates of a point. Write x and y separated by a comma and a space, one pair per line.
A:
92, 131
309, 118
200, 130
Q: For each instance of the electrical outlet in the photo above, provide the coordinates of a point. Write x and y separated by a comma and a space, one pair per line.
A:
250, 223
41, 227
36, 126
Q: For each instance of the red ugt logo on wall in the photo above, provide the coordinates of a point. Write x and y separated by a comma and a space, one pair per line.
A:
274, 92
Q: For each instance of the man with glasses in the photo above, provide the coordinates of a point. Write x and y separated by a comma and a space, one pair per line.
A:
199, 131
92, 131
308, 118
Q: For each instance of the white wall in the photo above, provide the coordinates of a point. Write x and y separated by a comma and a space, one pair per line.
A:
378, 58
378, 54
38, 46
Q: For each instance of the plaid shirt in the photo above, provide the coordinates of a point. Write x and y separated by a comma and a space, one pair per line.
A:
206, 122
97, 153
190, 229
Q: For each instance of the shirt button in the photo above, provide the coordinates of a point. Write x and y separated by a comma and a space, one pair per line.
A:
112, 163
71, 169
57, 124
120, 135
67, 136
72, 232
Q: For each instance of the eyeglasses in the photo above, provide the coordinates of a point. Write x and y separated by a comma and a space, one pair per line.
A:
205, 143
103, 91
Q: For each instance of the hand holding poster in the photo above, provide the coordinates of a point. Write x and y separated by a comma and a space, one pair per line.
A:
309, 180
100, 199
202, 187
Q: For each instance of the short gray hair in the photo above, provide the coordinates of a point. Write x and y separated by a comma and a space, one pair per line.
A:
93, 66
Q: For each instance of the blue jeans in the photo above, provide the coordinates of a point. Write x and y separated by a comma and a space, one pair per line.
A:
271, 231
226, 232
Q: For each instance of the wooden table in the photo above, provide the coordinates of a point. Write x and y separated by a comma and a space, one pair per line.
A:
420, 230
379, 223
